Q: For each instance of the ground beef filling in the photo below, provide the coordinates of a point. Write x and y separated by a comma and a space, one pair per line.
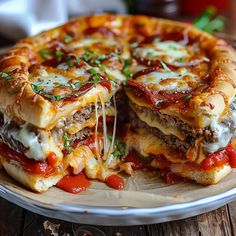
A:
170, 140
7, 129
210, 136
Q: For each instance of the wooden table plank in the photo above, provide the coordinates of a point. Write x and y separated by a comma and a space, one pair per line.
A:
213, 223
232, 214
39, 225
11, 218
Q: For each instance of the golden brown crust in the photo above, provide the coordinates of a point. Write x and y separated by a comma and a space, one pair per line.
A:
211, 104
32, 181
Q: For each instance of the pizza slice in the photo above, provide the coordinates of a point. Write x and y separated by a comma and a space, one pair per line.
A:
58, 112
182, 104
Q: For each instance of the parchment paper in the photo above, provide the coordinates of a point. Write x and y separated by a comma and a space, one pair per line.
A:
142, 190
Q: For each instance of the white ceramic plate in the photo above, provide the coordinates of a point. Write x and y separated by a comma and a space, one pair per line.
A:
152, 203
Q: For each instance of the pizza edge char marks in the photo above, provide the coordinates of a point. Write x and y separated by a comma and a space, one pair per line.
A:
48, 85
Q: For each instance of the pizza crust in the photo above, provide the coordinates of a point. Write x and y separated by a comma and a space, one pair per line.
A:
206, 107
35, 182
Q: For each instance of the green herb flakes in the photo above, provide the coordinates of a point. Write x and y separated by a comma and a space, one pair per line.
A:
36, 88
67, 141
67, 38
5, 76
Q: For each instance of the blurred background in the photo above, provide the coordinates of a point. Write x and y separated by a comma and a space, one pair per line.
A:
20, 18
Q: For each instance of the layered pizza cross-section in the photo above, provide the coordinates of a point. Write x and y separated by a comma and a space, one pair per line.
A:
182, 107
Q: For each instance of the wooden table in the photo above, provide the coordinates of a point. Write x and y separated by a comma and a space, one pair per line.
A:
15, 220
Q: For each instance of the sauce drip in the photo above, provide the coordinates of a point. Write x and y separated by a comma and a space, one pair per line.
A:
115, 181
74, 183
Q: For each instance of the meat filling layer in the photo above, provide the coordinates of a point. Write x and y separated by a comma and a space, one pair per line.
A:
216, 136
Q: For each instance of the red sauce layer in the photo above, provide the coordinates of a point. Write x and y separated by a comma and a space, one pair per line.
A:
138, 163
219, 158
44, 168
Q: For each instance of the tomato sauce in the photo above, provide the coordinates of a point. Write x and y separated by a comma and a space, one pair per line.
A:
74, 183
35, 167
115, 181
138, 163
219, 158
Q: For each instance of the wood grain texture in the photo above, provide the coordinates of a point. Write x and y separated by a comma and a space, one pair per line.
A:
221, 222
11, 218
232, 214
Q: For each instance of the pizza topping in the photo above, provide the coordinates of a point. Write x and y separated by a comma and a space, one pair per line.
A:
102, 30
175, 53
5, 76
56, 87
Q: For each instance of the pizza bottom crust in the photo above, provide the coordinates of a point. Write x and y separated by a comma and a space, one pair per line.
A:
150, 145
204, 177
35, 182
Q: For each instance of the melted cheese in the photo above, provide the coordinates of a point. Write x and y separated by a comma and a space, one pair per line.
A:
148, 144
76, 126
223, 134
38, 144
166, 48
116, 74
150, 119
169, 80
30, 141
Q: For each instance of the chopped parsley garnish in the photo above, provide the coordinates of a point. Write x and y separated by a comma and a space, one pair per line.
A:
181, 59
71, 59
165, 67
67, 141
87, 56
67, 38
116, 53
157, 40
59, 54
119, 147
172, 47
126, 69
95, 75
135, 53
150, 54
45, 54
101, 57
5, 76
55, 98
36, 88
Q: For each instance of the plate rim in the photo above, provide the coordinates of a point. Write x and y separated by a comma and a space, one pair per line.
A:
145, 215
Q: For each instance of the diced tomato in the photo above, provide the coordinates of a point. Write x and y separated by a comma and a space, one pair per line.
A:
216, 159
115, 181
52, 159
74, 183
